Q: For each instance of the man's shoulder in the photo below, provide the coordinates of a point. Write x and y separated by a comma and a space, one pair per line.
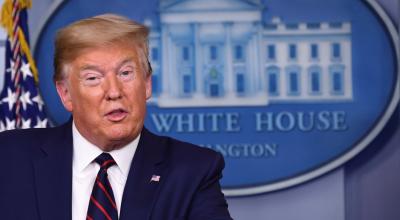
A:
22, 132
190, 150
26, 138
185, 153
176, 146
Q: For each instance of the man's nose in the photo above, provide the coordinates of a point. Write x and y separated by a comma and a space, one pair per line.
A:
113, 87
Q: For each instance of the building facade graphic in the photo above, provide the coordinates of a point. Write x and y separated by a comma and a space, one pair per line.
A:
221, 53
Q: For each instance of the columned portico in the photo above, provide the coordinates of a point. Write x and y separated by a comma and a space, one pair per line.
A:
215, 53
199, 91
229, 74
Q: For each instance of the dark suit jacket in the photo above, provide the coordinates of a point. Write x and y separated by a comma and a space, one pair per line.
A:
36, 178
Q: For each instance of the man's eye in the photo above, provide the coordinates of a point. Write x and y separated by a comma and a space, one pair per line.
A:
91, 78
126, 75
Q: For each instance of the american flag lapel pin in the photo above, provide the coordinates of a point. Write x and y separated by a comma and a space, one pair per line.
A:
155, 178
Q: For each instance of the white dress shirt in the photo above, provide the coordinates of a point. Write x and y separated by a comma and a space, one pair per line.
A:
84, 172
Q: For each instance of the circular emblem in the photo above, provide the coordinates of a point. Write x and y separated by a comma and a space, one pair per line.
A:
285, 91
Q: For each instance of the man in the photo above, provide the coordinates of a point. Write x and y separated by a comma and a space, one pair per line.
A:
103, 164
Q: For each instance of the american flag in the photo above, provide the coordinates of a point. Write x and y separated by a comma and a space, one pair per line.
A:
21, 105
155, 178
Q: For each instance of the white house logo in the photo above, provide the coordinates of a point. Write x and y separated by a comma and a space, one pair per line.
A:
223, 54
284, 90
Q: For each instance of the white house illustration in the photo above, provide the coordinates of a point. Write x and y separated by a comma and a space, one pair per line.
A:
221, 53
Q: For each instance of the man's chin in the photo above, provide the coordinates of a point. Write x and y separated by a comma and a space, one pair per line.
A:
119, 139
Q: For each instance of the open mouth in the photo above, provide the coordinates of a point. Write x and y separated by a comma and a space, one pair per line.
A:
116, 115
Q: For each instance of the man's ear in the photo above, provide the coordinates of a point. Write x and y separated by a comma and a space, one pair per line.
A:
148, 86
65, 95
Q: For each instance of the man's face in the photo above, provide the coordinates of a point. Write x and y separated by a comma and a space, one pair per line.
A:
106, 90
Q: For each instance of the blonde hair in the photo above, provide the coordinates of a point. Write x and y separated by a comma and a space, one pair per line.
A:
101, 30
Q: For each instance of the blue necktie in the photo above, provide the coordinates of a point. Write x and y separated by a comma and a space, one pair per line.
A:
102, 202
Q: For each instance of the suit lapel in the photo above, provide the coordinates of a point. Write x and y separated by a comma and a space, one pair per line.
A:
53, 175
140, 191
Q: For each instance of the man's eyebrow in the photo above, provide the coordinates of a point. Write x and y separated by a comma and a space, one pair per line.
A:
128, 60
90, 67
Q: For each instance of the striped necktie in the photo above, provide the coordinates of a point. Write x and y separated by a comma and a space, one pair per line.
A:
102, 202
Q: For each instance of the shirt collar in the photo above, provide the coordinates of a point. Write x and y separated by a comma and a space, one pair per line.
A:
85, 152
